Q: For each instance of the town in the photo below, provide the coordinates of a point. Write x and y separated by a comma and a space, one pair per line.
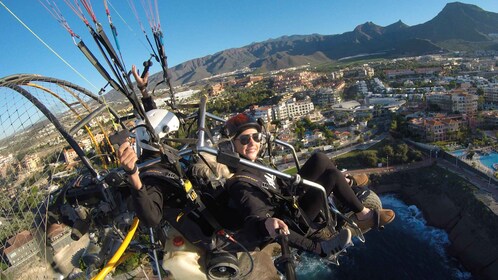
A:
445, 100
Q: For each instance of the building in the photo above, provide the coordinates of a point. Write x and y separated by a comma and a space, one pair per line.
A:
325, 97
315, 116
70, 156
31, 162
291, 109
280, 111
491, 96
436, 129
265, 113
217, 89
58, 236
20, 249
455, 101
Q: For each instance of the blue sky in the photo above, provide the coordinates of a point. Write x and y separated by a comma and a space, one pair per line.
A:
192, 28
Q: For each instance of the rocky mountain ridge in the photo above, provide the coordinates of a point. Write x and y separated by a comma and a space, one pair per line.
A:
458, 26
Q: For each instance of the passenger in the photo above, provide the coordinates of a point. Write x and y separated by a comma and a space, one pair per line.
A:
258, 210
155, 200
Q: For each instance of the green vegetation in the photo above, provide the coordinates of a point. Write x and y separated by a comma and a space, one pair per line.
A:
385, 152
305, 124
130, 263
235, 100
339, 65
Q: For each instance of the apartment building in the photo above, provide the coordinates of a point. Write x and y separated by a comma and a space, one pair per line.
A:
455, 101
326, 96
31, 162
491, 96
436, 129
291, 109
265, 113
70, 156
58, 237
20, 249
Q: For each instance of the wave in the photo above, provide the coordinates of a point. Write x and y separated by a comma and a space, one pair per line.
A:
406, 248
414, 222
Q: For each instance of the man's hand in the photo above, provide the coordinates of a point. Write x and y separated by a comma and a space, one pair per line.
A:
141, 82
128, 159
127, 156
272, 224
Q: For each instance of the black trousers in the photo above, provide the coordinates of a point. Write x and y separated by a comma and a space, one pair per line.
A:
320, 169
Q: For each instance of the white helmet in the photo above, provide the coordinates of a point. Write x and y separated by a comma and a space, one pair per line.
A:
163, 122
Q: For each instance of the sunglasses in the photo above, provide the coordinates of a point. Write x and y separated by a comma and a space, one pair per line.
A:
246, 138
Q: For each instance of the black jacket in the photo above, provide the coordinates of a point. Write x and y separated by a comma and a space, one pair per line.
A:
252, 195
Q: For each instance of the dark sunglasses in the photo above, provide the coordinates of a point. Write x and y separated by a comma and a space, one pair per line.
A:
246, 138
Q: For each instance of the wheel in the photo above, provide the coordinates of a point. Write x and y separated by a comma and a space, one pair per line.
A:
367, 197
370, 200
222, 265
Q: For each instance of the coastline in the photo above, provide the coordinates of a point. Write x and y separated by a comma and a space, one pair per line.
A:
451, 204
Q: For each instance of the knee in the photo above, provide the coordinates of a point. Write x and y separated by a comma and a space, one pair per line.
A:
335, 173
319, 157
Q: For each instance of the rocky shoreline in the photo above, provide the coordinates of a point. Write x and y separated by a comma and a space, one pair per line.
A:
450, 203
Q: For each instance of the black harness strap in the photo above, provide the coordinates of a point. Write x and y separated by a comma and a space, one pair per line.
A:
276, 197
194, 201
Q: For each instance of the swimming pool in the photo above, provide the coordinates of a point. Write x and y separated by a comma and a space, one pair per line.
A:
487, 160
458, 153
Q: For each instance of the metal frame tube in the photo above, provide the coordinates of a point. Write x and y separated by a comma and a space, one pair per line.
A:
201, 147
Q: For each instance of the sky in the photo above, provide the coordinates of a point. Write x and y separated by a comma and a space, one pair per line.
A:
192, 29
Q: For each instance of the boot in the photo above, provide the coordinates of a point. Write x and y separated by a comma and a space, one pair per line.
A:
357, 180
361, 179
378, 219
337, 244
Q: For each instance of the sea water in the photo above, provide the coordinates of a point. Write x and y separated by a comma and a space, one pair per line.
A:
406, 249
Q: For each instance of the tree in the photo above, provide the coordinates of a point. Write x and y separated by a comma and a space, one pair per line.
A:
394, 125
414, 155
388, 151
369, 158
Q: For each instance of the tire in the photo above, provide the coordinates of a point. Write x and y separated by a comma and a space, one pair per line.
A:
371, 200
367, 197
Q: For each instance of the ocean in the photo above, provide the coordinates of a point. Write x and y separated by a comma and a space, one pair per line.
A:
406, 249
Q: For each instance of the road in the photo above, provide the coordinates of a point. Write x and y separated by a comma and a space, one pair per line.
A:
487, 186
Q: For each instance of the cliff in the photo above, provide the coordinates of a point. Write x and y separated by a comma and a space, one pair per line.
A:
450, 203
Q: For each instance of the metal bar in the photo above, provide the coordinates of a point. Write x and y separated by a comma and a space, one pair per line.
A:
87, 119
289, 146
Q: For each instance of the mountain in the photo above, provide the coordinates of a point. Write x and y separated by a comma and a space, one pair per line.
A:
458, 26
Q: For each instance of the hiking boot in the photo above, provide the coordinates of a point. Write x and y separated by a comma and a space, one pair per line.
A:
378, 218
333, 247
359, 180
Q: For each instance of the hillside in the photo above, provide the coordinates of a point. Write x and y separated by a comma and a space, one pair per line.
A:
457, 27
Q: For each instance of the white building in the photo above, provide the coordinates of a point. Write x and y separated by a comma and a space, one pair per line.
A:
292, 109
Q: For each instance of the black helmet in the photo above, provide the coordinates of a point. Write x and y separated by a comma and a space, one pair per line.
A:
240, 122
